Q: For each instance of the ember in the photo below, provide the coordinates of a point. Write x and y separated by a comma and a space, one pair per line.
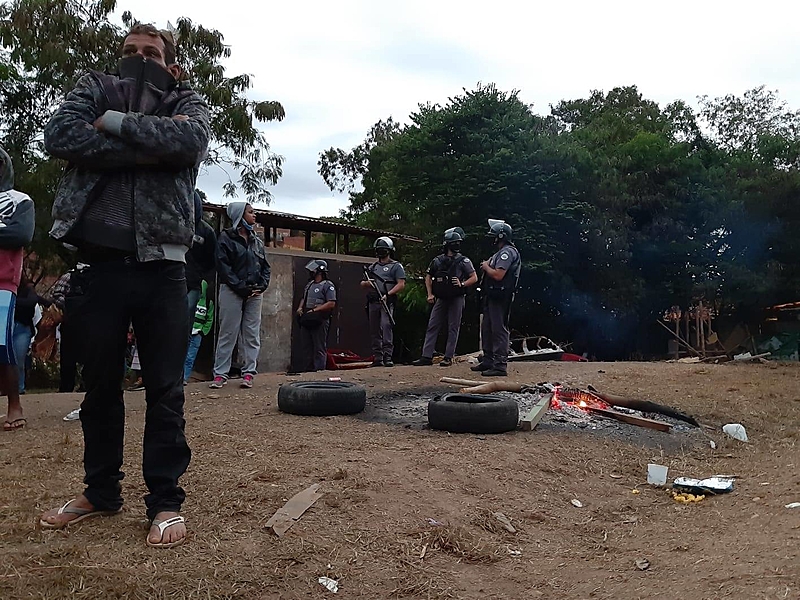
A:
577, 398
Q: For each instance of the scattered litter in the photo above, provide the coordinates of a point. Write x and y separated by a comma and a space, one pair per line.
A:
334, 378
505, 522
685, 498
423, 551
634, 491
712, 485
576, 503
657, 474
713, 444
213, 396
331, 584
514, 552
793, 505
642, 564
434, 523
615, 476
289, 513
736, 431
743, 356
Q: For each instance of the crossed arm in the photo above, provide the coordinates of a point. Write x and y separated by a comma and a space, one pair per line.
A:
79, 134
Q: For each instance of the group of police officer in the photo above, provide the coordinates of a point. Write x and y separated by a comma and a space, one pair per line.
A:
449, 276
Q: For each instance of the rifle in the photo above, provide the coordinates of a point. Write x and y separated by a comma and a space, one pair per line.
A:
380, 296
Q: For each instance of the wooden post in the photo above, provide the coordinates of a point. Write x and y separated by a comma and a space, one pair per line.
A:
336, 243
347, 243
308, 240
677, 335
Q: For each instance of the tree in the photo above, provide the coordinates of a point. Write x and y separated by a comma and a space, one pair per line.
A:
46, 45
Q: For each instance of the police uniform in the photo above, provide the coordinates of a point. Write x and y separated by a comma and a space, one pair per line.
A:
386, 276
448, 307
315, 339
496, 305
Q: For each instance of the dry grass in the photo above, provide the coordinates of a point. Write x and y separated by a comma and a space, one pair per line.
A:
381, 484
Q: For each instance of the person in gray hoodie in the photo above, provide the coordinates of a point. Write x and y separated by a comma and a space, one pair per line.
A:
244, 274
133, 142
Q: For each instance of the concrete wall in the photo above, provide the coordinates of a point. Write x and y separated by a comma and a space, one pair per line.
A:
280, 339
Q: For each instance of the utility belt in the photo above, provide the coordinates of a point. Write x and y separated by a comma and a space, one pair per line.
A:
93, 256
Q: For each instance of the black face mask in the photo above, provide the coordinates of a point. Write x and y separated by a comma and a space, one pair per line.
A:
382, 252
142, 69
454, 246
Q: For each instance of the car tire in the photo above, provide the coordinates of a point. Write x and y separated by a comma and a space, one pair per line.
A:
321, 398
473, 413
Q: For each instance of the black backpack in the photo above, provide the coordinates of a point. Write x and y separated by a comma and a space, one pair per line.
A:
444, 271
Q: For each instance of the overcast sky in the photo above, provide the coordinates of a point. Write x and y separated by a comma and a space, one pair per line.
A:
338, 67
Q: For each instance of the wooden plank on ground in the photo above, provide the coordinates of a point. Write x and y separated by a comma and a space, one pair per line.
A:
632, 420
463, 382
289, 513
531, 420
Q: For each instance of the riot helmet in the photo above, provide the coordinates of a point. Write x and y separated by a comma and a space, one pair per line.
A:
384, 246
499, 231
317, 266
453, 238
6, 171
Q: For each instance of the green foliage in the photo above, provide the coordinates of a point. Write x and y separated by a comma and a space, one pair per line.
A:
620, 207
46, 45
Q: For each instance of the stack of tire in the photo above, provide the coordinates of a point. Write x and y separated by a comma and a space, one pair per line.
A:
321, 398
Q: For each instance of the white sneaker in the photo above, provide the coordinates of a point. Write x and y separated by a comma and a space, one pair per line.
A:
74, 415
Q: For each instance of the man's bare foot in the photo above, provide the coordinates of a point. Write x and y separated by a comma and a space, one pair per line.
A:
14, 417
173, 534
72, 512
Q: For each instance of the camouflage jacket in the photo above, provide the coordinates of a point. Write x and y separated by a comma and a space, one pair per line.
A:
163, 153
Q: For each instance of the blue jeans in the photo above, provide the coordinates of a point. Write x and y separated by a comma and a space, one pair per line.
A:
191, 355
22, 343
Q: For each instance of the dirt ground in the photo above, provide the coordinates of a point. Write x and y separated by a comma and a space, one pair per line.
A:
384, 482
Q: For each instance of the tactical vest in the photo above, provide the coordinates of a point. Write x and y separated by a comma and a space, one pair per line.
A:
442, 278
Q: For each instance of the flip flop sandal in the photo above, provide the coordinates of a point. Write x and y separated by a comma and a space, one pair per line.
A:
15, 424
83, 513
162, 526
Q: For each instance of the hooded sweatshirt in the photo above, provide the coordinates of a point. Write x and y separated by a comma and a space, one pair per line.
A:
16, 226
241, 262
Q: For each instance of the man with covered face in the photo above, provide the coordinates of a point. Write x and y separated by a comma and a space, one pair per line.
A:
387, 278
133, 142
314, 314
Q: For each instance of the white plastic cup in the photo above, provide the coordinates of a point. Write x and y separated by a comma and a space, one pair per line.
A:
657, 474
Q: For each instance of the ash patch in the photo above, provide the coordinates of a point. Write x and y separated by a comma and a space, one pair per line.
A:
410, 410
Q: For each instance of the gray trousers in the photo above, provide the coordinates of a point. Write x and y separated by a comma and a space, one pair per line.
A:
494, 334
315, 346
380, 331
239, 319
445, 310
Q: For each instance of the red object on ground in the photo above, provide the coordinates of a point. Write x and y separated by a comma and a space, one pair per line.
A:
338, 357
567, 357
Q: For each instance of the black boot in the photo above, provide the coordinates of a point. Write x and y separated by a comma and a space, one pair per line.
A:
480, 367
423, 362
494, 373
446, 362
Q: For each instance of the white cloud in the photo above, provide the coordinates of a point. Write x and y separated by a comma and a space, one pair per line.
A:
340, 67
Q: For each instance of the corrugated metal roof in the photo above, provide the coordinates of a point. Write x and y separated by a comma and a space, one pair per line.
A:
285, 220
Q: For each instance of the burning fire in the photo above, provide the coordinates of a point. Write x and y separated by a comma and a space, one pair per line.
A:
577, 398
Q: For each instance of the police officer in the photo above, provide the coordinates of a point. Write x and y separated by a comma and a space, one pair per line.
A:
501, 274
389, 277
314, 314
449, 275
